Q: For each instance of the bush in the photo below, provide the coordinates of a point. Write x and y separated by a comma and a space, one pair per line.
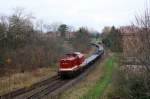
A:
113, 40
131, 85
35, 56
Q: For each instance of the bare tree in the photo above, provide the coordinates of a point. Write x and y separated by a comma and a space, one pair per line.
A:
40, 25
54, 26
143, 47
3, 27
25, 45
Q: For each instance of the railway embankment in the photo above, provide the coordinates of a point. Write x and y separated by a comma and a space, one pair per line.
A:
95, 84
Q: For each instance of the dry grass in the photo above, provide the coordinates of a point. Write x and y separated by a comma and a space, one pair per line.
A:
26, 79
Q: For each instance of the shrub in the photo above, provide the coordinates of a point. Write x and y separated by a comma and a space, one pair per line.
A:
131, 85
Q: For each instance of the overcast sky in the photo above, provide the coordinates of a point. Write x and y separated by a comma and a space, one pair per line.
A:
91, 13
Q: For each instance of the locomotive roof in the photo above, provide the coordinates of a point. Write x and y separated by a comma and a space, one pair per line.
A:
68, 58
72, 56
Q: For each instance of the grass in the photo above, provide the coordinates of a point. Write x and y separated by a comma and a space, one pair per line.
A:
97, 90
26, 79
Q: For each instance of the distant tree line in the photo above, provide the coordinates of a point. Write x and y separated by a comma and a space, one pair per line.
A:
81, 40
112, 39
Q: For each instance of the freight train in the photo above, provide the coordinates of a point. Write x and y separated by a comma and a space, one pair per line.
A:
75, 63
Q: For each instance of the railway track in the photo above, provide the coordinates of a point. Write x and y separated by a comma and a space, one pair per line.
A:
49, 87
23, 91
43, 91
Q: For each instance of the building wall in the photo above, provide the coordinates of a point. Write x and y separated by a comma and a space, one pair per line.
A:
130, 43
130, 40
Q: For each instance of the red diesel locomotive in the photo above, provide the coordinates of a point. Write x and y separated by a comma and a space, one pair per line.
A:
71, 64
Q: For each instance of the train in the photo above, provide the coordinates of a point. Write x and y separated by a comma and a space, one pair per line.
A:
72, 64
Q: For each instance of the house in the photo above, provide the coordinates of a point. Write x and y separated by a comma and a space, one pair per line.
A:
130, 40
